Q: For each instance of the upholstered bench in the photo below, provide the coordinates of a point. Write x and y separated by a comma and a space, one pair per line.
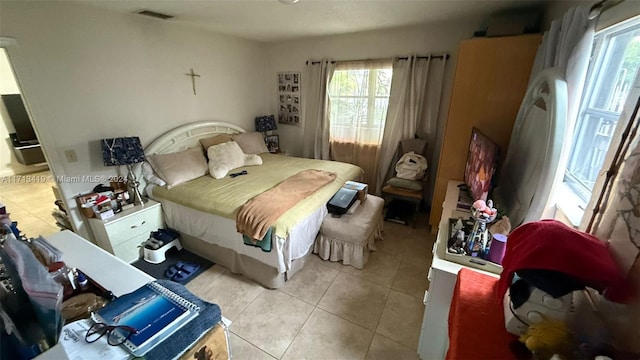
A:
350, 237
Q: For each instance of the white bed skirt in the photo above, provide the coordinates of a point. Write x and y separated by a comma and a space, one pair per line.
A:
349, 253
221, 231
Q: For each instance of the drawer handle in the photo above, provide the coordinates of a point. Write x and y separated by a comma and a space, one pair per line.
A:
142, 223
477, 262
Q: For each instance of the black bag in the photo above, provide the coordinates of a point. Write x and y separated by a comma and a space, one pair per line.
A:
342, 201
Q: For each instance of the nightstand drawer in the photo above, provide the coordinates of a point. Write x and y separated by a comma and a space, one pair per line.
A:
139, 223
122, 234
129, 250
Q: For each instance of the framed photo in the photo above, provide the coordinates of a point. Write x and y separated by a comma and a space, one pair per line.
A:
289, 98
273, 143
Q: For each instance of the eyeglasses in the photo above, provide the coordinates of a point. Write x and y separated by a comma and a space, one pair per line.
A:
115, 338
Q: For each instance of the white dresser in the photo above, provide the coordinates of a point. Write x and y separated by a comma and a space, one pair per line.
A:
433, 342
123, 233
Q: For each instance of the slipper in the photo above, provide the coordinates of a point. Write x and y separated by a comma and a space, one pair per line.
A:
181, 271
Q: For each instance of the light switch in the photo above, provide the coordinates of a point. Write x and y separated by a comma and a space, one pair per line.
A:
71, 156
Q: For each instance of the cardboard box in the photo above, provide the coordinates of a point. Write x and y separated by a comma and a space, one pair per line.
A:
363, 189
213, 346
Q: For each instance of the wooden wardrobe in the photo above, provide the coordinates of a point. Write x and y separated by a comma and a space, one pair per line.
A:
490, 82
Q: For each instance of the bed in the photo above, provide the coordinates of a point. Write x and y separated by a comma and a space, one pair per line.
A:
203, 209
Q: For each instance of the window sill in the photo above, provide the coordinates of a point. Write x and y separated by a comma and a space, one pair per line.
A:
569, 205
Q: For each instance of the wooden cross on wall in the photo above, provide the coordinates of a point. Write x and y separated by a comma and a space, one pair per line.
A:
193, 80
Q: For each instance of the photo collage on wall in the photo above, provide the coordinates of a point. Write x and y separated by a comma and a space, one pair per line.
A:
289, 98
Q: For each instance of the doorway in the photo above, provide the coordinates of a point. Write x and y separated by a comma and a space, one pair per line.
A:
27, 187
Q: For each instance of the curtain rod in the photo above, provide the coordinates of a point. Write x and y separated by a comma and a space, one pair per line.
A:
443, 56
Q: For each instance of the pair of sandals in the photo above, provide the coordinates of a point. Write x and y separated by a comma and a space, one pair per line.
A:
181, 271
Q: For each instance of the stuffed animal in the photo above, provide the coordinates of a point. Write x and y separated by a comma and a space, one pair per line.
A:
547, 338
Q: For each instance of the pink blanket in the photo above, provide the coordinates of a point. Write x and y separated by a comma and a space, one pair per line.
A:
259, 213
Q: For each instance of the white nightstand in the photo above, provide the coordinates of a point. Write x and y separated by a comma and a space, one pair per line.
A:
122, 234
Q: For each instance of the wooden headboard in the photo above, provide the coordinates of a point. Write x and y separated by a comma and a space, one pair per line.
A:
188, 135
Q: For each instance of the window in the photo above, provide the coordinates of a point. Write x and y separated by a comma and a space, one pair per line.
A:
359, 99
612, 69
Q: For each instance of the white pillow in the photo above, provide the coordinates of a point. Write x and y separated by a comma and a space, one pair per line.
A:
228, 156
251, 142
150, 176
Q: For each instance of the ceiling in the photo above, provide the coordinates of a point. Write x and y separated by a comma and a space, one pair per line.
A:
272, 20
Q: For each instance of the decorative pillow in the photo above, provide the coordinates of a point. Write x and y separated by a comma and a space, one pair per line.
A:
251, 142
150, 176
214, 140
179, 167
228, 156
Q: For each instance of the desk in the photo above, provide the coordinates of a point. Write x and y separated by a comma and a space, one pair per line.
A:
109, 271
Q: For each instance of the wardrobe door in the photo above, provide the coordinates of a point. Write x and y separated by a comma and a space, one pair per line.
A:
490, 82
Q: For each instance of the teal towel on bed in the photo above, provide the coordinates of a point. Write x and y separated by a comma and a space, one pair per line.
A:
264, 244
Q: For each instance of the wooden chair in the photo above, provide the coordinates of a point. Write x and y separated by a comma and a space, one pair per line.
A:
403, 189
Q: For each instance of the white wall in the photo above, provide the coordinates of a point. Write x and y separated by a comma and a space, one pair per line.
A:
422, 40
89, 74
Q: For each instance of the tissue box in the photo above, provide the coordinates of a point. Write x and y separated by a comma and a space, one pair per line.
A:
363, 189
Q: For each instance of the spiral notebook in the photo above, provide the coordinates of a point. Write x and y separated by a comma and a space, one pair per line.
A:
153, 310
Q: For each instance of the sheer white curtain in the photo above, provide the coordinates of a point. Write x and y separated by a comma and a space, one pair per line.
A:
316, 126
359, 93
567, 46
406, 106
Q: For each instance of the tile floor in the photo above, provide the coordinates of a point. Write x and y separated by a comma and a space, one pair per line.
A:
30, 200
328, 310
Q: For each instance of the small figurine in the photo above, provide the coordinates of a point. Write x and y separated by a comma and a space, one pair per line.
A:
458, 225
456, 243
482, 213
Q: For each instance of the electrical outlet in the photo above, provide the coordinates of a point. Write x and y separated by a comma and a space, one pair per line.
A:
71, 156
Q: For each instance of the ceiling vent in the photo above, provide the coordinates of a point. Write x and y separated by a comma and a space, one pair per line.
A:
154, 14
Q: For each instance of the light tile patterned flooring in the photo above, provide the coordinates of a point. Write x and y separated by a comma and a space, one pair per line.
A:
30, 200
328, 310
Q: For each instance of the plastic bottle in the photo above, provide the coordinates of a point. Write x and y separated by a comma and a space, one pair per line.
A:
83, 282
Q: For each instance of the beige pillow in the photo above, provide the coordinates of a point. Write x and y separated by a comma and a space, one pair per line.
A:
214, 140
251, 142
179, 167
228, 156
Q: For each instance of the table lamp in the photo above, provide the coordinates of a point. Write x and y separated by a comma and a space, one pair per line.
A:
265, 123
125, 151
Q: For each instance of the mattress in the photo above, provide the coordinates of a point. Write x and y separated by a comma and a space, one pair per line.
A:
224, 197
205, 207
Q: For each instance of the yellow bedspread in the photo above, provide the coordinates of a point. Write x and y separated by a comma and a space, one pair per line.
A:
224, 197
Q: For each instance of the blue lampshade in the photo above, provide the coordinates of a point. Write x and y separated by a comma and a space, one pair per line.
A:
122, 151
265, 123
